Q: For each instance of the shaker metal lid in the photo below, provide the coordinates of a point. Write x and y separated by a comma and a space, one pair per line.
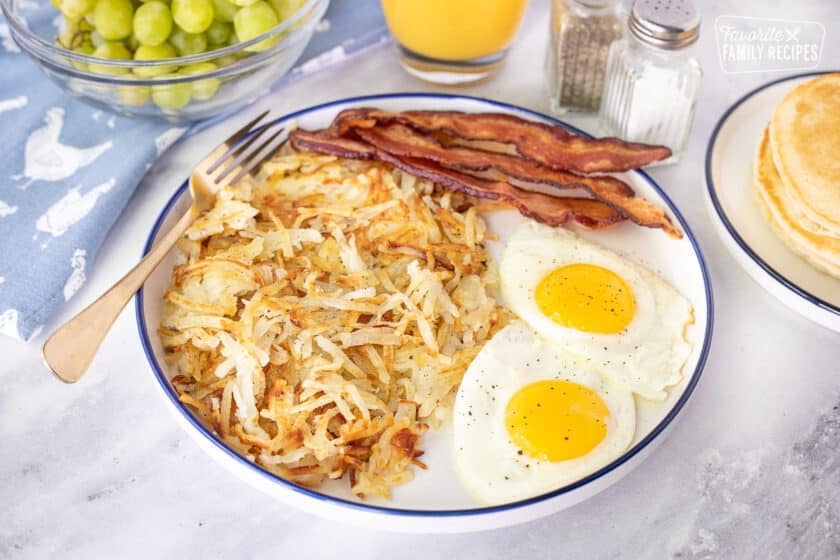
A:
667, 24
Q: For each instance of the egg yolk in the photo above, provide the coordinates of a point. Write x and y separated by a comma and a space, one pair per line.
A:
586, 297
556, 420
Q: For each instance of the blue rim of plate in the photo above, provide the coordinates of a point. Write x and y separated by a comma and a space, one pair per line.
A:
369, 508
733, 232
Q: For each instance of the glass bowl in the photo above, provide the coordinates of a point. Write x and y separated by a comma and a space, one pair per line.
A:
239, 75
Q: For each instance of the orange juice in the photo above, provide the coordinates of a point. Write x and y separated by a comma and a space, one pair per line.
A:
454, 30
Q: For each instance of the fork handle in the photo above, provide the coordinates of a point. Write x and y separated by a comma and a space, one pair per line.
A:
70, 349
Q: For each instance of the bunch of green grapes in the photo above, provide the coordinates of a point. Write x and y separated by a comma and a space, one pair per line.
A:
166, 29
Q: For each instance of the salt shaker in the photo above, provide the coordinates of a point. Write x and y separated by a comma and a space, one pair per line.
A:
652, 80
581, 33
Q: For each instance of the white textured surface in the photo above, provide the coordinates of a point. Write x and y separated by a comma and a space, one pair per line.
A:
752, 470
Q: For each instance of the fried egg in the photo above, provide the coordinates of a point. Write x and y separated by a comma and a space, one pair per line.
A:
530, 418
621, 318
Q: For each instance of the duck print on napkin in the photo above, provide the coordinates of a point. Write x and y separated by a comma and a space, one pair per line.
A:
67, 170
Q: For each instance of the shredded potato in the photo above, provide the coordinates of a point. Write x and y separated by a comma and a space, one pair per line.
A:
324, 314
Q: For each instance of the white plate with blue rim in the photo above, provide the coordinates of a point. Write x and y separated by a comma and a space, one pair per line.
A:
435, 501
738, 219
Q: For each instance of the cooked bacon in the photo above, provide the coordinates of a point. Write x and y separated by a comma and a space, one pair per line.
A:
403, 141
325, 142
553, 146
550, 210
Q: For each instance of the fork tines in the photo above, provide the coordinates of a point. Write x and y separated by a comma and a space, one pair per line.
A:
243, 153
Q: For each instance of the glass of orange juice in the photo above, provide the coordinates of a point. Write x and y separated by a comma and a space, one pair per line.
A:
453, 41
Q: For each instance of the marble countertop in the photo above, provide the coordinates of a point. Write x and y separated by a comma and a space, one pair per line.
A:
751, 470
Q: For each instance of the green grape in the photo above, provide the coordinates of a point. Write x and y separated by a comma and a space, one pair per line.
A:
97, 39
111, 51
69, 24
224, 10
68, 40
193, 16
203, 89
188, 43
71, 36
152, 23
255, 20
65, 39
76, 9
171, 96
133, 96
56, 4
84, 48
226, 60
219, 33
156, 52
243, 3
285, 8
113, 18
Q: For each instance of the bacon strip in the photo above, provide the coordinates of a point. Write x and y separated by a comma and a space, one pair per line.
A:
403, 141
326, 142
550, 210
552, 146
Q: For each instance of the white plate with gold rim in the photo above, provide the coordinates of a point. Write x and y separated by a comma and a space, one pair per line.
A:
738, 218
434, 501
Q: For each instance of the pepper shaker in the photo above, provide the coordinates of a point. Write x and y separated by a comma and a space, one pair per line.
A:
581, 33
652, 80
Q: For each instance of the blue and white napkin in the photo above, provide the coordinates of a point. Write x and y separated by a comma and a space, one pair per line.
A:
67, 170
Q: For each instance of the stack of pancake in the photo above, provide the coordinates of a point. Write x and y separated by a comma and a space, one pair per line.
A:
797, 172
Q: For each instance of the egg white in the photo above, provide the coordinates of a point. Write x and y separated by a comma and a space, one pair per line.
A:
648, 355
490, 466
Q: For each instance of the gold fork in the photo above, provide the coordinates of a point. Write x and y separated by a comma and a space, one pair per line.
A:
71, 348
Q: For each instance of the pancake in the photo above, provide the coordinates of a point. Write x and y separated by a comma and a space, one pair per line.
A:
805, 147
820, 251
